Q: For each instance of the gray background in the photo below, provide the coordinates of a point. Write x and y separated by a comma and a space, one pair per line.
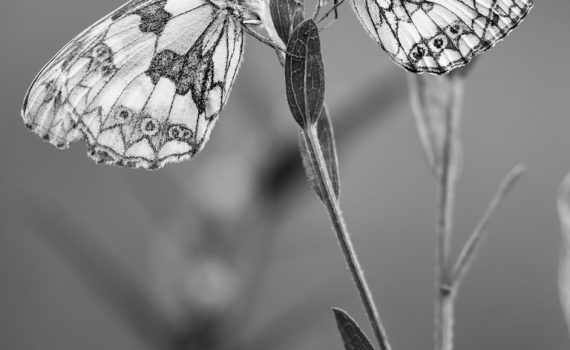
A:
516, 110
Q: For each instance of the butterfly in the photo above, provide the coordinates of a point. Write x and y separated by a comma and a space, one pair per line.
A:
144, 85
437, 36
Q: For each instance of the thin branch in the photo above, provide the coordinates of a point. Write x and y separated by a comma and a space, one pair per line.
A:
344, 239
447, 181
279, 47
473, 244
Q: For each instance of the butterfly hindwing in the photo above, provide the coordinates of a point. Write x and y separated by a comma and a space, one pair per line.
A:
143, 86
437, 36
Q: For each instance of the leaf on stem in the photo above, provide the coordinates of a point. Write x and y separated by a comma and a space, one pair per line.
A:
436, 103
286, 15
564, 263
304, 74
471, 247
328, 147
352, 336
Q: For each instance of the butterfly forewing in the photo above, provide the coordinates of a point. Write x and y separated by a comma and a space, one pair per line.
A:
143, 86
437, 36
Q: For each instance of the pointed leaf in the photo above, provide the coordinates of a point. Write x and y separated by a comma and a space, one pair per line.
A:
352, 336
436, 103
304, 74
474, 242
286, 16
328, 147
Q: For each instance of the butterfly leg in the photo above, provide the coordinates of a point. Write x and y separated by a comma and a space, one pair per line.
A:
264, 40
254, 25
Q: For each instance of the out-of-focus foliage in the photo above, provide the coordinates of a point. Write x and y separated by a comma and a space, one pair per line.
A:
564, 264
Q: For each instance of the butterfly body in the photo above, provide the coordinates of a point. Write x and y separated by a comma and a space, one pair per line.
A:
436, 36
143, 86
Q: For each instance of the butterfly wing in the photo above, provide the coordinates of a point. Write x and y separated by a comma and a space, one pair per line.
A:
436, 36
143, 86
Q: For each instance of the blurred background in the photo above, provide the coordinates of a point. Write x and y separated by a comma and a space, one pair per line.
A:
234, 248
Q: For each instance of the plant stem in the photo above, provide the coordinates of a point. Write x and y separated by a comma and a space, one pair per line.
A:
445, 294
343, 237
445, 299
473, 244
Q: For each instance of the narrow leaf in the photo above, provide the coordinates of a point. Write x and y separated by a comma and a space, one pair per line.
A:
473, 244
352, 336
286, 16
328, 147
436, 103
304, 74
564, 263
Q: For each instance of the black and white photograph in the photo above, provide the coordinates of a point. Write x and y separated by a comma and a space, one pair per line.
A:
285, 174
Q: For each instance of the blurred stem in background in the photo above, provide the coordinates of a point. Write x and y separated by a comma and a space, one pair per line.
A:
436, 103
563, 202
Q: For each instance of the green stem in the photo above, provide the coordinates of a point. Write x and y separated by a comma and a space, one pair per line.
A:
343, 236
